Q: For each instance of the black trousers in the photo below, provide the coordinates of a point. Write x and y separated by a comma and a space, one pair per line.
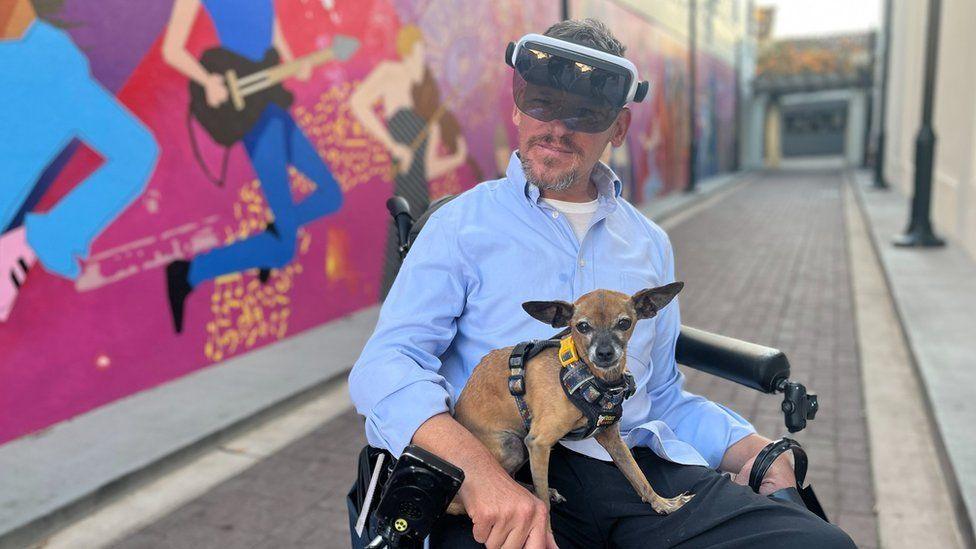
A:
603, 510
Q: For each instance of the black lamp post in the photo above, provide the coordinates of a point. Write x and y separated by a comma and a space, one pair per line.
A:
879, 156
693, 96
919, 232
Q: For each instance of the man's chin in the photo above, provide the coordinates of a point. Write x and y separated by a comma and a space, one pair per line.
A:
547, 172
552, 180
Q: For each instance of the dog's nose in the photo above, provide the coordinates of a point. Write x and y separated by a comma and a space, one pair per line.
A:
604, 354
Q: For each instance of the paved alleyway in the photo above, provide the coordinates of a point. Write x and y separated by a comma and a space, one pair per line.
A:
767, 263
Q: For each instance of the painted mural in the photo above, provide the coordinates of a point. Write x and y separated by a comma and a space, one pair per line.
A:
654, 160
657, 143
716, 116
184, 181
140, 240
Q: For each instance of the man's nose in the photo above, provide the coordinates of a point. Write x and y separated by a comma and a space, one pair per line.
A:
558, 128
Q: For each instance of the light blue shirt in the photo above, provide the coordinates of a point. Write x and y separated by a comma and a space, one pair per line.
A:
459, 296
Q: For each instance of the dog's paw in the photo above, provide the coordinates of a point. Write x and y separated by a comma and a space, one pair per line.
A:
555, 497
666, 506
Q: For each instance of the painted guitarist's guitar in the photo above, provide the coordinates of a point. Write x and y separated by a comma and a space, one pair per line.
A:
253, 86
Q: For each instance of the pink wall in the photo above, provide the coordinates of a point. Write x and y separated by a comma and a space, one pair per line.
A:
73, 342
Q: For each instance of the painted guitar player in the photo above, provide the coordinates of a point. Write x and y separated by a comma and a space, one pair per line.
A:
48, 97
250, 39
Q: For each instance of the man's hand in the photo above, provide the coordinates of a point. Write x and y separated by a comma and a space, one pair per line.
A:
505, 515
740, 456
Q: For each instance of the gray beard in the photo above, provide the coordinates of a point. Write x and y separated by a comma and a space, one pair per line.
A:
559, 184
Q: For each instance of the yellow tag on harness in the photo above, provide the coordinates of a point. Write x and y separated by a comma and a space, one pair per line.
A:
567, 351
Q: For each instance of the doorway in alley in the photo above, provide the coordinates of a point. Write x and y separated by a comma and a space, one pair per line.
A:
814, 129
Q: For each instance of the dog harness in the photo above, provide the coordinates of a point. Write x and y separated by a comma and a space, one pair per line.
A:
601, 403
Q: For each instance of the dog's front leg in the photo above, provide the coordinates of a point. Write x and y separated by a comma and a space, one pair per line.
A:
539, 443
611, 441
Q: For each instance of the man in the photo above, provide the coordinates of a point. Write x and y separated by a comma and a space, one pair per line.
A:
555, 228
274, 143
48, 97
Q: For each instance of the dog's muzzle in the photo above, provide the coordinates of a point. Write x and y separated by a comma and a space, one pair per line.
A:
604, 357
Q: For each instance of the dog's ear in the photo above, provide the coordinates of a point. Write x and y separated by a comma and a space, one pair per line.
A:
651, 300
555, 313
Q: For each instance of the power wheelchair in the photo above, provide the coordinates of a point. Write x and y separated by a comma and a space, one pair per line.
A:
393, 503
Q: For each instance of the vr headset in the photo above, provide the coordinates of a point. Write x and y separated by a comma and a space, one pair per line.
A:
583, 87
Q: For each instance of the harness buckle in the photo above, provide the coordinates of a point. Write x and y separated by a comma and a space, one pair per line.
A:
516, 385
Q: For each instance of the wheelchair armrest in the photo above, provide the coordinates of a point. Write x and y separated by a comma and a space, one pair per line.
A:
755, 366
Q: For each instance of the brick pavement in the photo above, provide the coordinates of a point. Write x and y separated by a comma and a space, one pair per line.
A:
767, 264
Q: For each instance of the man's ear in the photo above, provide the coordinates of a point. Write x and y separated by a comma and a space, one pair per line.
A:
554, 313
516, 115
651, 300
620, 127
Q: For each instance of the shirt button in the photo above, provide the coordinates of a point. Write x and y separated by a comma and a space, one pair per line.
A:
582, 263
555, 215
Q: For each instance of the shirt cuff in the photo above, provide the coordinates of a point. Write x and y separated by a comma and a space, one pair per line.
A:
738, 429
393, 421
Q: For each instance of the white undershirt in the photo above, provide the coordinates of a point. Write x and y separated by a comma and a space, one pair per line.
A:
578, 213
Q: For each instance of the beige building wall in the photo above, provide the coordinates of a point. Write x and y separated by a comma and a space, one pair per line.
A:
954, 117
729, 18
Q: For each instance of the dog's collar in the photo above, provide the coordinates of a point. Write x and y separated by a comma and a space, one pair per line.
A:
600, 402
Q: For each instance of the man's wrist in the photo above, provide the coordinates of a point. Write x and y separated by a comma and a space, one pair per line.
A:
451, 441
740, 458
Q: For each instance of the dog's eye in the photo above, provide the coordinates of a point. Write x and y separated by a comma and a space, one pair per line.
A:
583, 327
624, 324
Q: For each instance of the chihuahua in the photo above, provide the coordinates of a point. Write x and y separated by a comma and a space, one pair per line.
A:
598, 327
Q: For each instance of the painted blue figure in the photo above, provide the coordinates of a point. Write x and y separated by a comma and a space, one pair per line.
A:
274, 143
48, 97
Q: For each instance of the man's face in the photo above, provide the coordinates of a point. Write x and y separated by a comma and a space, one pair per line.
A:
554, 157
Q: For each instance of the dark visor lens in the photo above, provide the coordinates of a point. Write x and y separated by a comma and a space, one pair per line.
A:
585, 98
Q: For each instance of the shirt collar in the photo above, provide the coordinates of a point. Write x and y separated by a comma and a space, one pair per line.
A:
608, 185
